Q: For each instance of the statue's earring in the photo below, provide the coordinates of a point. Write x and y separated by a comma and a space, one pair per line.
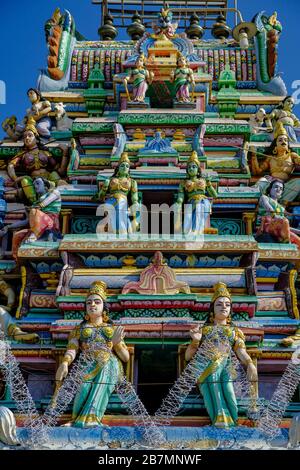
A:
275, 151
229, 319
105, 316
86, 317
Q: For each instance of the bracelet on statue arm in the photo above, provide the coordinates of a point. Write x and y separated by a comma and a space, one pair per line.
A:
68, 359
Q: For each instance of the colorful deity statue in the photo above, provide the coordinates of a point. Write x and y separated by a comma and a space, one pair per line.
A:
272, 220
283, 114
260, 123
39, 112
7, 323
183, 78
35, 161
192, 193
140, 78
158, 145
157, 278
216, 382
105, 342
43, 217
280, 162
118, 192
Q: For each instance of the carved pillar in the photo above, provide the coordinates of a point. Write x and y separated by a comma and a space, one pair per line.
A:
66, 216
248, 219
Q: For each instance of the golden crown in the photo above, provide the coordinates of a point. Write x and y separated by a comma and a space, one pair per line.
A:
31, 125
220, 290
280, 130
194, 158
124, 158
98, 288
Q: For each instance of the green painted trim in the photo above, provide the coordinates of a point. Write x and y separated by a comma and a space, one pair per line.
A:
186, 119
104, 127
271, 313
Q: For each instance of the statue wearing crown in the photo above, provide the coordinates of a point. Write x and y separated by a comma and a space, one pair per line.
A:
140, 78
216, 380
279, 164
192, 194
120, 197
35, 161
97, 336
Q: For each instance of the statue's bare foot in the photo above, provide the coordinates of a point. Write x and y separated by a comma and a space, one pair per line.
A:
31, 239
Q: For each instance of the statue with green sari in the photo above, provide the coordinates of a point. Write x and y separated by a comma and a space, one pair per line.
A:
105, 343
216, 381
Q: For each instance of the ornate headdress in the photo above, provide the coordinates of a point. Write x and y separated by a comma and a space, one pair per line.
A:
280, 130
194, 158
31, 125
98, 288
220, 290
124, 158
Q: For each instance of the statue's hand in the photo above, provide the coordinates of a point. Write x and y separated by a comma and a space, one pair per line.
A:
251, 373
62, 372
196, 334
118, 335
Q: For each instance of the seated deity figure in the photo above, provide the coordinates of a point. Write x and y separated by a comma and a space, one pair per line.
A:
183, 78
158, 144
260, 123
7, 324
272, 221
283, 115
157, 278
216, 382
43, 217
117, 192
39, 112
105, 343
192, 193
35, 160
140, 78
280, 162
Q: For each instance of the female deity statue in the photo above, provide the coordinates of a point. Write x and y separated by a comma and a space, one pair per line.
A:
35, 161
215, 383
280, 163
192, 192
43, 218
271, 218
183, 78
105, 344
39, 112
116, 192
283, 115
140, 78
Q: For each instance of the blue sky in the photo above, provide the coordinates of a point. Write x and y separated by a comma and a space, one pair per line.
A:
24, 52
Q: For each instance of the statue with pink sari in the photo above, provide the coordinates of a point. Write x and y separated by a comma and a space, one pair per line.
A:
157, 278
140, 78
183, 79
